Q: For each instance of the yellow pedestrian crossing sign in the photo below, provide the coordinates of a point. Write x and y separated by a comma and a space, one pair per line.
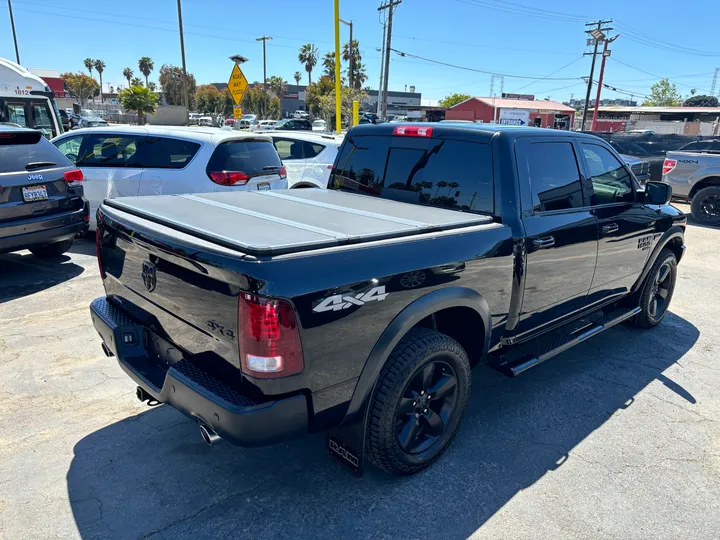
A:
237, 84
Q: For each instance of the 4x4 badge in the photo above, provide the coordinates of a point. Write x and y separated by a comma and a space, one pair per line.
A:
345, 301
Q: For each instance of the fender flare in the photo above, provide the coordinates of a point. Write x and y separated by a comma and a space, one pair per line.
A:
668, 236
424, 306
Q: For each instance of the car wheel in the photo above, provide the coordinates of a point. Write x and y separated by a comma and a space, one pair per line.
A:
418, 402
705, 206
52, 250
658, 290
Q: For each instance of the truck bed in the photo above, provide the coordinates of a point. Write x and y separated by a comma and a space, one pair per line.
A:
266, 223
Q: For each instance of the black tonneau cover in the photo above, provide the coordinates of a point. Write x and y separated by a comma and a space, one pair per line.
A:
265, 223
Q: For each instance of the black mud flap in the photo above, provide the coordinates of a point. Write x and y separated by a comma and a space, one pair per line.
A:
346, 445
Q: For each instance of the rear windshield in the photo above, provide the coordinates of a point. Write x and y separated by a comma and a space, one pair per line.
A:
19, 151
442, 173
253, 157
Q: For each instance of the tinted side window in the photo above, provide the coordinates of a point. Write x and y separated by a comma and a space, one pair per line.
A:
610, 180
312, 149
107, 150
70, 147
360, 165
288, 149
554, 176
165, 153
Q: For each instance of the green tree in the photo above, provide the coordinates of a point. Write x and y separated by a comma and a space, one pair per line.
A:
209, 100
128, 74
254, 100
89, 64
229, 102
152, 86
308, 56
315, 92
171, 80
146, 65
274, 107
100, 67
297, 76
663, 94
347, 96
453, 99
360, 75
136, 81
701, 101
328, 64
80, 85
277, 85
140, 100
357, 59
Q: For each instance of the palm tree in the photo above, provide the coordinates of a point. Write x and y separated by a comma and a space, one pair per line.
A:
297, 76
139, 99
328, 64
152, 86
128, 74
359, 75
277, 86
136, 81
100, 67
146, 65
356, 58
308, 56
89, 64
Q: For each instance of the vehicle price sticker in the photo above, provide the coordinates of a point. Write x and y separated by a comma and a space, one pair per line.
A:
34, 193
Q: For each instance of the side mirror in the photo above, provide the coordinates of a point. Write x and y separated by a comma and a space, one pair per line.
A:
657, 193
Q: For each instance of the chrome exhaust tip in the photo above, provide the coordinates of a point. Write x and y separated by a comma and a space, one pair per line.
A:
209, 436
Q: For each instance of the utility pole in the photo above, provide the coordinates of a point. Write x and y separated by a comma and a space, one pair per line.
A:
12, 25
182, 53
712, 88
390, 6
265, 105
382, 69
605, 54
338, 82
351, 66
598, 36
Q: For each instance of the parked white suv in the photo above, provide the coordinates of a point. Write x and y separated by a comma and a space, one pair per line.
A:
307, 156
121, 161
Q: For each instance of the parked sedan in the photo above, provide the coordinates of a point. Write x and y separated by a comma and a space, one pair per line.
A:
42, 207
294, 124
308, 157
84, 122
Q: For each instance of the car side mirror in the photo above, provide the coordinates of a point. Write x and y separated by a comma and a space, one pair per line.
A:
657, 193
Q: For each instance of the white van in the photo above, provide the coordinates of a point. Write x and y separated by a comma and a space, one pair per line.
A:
27, 101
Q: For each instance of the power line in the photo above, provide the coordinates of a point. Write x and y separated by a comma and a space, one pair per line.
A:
550, 74
648, 73
646, 39
520, 9
477, 46
486, 72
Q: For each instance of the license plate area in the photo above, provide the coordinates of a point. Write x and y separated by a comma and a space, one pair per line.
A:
263, 186
34, 193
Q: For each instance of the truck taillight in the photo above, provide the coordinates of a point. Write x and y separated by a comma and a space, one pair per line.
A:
73, 178
269, 337
413, 131
225, 178
669, 165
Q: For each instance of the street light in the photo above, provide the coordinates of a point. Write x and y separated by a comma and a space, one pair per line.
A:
264, 39
597, 34
238, 59
351, 68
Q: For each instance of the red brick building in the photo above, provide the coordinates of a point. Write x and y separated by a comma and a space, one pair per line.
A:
539, 113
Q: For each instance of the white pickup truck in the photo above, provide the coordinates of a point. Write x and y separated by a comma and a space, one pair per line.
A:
694, 175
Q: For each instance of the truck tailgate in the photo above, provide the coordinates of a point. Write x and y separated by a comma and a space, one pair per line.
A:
284, 221
181, 288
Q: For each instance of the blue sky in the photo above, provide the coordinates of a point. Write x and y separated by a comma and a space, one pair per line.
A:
669, 39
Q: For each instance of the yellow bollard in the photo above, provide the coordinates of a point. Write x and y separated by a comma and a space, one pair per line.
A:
356, 112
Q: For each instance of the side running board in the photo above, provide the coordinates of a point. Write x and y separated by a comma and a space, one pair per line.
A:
522, 357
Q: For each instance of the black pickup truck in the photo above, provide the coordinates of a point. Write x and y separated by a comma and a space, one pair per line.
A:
359, 310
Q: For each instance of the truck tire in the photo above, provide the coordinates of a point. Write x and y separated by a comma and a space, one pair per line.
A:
418, 402
705, 206
658, 290
52, 250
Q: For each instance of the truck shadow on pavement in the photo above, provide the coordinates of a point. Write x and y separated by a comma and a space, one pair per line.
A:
151, 476
23, 274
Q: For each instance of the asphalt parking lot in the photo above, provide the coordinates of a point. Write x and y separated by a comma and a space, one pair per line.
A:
617, 438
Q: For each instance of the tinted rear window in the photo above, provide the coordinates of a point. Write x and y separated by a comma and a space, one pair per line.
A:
166, 153
15, 157
445, 173
250, 156
554, 176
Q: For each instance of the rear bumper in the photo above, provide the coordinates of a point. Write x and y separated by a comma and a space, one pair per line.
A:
42, 230
194, 392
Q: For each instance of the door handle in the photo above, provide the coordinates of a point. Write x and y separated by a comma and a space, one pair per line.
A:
542, 243
609, 228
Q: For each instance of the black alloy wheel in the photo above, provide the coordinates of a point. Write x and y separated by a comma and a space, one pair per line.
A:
710, 206
657, 290
705, 205
661, 290
426, 407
